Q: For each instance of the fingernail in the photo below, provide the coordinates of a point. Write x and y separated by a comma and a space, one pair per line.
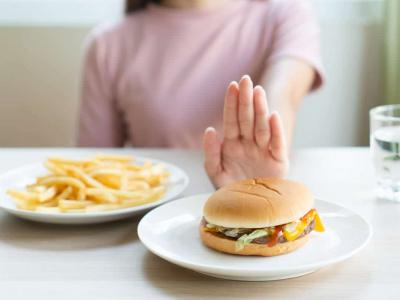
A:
208, 129
246, 77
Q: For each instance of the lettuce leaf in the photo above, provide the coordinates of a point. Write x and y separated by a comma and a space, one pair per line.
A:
248, 238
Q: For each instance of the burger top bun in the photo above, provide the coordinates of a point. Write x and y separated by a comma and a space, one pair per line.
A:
258, 203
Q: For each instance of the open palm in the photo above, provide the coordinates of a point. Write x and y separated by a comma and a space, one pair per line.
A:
253, 143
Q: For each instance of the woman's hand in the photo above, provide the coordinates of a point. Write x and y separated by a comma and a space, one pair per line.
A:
253, 144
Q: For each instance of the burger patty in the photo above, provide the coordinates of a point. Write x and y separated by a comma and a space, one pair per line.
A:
264, 239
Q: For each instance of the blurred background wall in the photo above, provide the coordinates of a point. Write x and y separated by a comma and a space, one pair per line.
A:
41, 44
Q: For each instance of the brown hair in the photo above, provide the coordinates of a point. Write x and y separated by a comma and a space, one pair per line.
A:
133, 5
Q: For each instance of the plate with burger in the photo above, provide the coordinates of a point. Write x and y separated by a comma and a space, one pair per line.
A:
254, 230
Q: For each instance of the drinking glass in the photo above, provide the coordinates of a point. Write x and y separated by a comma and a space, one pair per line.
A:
385, 149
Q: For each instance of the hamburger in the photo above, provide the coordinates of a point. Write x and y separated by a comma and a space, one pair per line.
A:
260, 216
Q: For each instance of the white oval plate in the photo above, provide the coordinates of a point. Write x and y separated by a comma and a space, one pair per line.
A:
171, 232
19, 178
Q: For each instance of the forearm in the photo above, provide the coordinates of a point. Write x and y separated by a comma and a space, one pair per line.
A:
287, 106
287, 82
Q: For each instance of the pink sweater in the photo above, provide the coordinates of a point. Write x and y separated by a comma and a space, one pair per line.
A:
158, 77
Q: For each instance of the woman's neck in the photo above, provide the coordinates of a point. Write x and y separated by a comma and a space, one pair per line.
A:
202, 4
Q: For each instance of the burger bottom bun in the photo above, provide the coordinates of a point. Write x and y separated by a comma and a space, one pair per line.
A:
228, 246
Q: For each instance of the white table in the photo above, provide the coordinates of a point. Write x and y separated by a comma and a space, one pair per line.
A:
39, 261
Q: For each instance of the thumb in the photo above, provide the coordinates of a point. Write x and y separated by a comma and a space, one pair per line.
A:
212, 152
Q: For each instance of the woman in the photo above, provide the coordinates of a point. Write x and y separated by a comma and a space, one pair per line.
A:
157, 79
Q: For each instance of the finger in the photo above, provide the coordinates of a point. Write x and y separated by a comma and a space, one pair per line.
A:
246, 109
262, 129
231, 125
212, 152
277, 143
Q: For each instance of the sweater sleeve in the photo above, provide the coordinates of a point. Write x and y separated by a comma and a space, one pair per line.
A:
100, 121
297, 34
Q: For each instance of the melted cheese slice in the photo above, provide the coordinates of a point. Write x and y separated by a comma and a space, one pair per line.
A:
293, 230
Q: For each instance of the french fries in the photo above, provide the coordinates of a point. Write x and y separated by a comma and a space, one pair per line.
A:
102, 183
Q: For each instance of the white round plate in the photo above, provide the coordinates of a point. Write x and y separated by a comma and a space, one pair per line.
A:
19, 178
171, 232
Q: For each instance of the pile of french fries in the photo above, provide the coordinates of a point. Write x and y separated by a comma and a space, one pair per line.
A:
102, 183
